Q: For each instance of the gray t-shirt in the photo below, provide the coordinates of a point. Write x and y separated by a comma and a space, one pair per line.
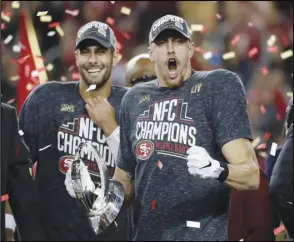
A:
158, 125
54, 121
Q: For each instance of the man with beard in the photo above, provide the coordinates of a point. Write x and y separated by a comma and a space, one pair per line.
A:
139, 69
57, 117
184, 139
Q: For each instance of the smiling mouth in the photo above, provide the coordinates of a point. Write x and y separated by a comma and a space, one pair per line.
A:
94, 70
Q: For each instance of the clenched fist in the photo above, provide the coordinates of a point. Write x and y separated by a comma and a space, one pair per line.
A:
102, 114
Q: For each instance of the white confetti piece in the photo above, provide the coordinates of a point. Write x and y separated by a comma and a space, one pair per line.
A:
197, 27
5, 17
289, 94
286, 54
207, 55
125, 10
91, 87
49, 67
15, 4
272, 39
273, 149
72, 12
112, 2
241, 239
46, 18
44, 148
63, 79
229, 55
250, 24
51, 33
193, 224
115, 223
8, 39
42, 13
59, 30
14, 78
34, 73
21, 133
16, 48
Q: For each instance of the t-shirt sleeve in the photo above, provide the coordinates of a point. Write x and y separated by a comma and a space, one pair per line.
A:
126, 160
228, 108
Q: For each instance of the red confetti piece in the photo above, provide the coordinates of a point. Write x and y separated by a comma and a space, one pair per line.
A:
272, 49
252, 52
110, 21
17, 150
126, 35
267, 136
53, 25
280, 229
75, 76
23, 60
198, 49
73, 13
153, 205
262, 109
159, 164
264, 71
7, 14
4, 197
261, 146
235, 40
3, 26
278, 117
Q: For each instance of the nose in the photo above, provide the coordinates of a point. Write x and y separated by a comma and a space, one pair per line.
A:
92, 58
170, 47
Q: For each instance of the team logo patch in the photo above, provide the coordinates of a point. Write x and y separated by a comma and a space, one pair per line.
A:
179, 25
144, 149
102, 31
65, 163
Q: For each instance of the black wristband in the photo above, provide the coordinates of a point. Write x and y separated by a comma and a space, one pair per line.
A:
224, 174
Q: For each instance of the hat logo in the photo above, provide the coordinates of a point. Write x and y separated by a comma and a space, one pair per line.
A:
102, 32
179, 25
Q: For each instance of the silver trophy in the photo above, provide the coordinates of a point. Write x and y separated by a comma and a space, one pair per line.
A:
102, 210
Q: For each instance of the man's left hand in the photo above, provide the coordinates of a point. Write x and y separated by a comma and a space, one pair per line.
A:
201, 164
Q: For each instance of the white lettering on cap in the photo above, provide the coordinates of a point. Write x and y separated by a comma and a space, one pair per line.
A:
165, 19
90, 25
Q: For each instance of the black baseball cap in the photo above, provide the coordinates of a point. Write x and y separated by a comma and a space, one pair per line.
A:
97, 31
169, 22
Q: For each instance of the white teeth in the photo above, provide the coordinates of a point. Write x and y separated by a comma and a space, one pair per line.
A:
94, 70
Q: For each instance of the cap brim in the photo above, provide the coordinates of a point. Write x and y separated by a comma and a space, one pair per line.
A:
172, 27
102, 42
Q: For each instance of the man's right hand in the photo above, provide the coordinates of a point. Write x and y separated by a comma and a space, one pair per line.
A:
85, 177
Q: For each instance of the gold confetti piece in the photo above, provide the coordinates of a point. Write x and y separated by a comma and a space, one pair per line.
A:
286, 54
197, 27
72, 12
46, 18
29, 86
8, 39
15, 4
16, 48
49, 67
5, 17
207, 55
229, 55
193, 224
289, 94
125, 10
273, 149
59, 30
272, 39
51, 33
255, 142
42, 13
14, 78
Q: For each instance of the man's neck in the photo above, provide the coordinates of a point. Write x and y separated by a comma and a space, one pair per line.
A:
103, 91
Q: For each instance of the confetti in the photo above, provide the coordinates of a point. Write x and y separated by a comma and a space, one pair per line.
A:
112, 2
34, 73
21, 133
273, 149
272, 49
8, 39
44, 148
272, 39
75, 76
63, 79
115, 223
53, 25
159, 164
286, 54
264, 71
289, 94
4, 197
279, 229
110, 21
207, 55
125, 10
250, 24
29, 86
252, 52
193, 224
16, 48
3, 26
153, 205
10, 100
235, 40
197, 27
198, 49
59, 30
267, 136
261, 146
49, 67
262, 109
5, 17
72, 12
46, 18
218, 16
91, 87
15, 4
278, 117
126, 35
51, 33
23, 59
263, 154
71, 68
42, 13
255, 142
241, 239
229, 55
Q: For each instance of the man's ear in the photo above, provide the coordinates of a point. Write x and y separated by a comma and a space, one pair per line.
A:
191, 49
115, 58
150, 52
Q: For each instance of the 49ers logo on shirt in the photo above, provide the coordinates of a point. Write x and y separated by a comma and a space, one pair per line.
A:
144, 149
65, 163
